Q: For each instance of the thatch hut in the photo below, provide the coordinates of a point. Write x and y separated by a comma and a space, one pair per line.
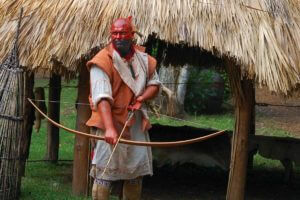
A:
258, 41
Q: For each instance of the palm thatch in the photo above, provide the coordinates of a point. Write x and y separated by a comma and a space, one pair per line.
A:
261, 35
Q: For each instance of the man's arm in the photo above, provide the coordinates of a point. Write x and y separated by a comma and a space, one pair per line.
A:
152, 89
150, 92
111, 135
101, 94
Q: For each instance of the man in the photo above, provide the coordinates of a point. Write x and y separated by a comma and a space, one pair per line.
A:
122, 77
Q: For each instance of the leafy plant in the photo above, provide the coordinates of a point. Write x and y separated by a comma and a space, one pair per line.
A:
205, 91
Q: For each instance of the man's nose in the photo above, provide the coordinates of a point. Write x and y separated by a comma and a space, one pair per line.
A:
118, 36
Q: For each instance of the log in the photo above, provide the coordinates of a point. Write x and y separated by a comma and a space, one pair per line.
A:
241, 88
81, 146
53, 112
239, 149
183, 77
173, 90
39, 96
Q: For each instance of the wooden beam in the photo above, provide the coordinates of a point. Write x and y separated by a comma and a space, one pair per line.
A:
53, 112
81, 146
239, 145
239, 149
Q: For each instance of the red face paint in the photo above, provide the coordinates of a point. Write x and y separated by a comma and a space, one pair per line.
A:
122, 29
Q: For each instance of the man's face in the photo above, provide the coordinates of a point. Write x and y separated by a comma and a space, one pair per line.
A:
122, 41
122, 35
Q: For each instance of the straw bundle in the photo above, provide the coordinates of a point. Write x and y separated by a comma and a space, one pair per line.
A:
11, 124
261, 35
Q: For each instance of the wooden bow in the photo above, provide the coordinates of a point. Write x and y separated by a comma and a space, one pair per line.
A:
130, 142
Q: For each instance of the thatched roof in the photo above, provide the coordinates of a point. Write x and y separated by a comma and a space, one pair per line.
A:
262, 35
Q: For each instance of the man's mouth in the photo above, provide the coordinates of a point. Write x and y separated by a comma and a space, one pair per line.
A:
119, 42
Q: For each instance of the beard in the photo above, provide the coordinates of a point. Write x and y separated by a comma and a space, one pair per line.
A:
123, 46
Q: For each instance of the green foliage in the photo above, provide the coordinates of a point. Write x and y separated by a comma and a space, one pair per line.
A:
206, 91
48, 181
218, 122
268, 131
227, 92
154, 50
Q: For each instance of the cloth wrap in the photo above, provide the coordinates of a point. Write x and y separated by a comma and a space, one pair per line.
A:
111, 79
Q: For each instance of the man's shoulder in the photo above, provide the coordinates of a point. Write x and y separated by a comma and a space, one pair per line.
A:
152, 61
105, 52
151, 58
102, 59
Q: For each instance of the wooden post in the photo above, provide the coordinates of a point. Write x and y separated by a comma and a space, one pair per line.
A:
81, 146
239, 150
28, 121
28, 117
53, 112
252, 124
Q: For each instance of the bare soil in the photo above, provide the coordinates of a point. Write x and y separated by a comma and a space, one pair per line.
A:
282, 113
190, 182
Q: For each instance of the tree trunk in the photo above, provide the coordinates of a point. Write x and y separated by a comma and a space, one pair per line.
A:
53, 111
81, 146
174, 80
181, 87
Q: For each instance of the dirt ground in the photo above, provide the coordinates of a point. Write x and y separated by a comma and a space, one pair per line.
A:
285, 117
190, 182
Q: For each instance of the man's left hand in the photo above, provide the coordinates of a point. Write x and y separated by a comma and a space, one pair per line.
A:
137, 105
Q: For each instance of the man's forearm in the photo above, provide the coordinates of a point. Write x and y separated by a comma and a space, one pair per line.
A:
104, 109
150, 92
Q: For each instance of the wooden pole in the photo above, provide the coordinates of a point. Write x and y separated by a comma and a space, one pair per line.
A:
252, 124
239, 149
81, 146
28, 116
53, 112
28, 121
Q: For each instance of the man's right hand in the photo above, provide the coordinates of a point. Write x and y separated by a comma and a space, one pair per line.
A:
111, 136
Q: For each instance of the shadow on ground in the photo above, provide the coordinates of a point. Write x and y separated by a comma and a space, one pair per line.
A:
190, 182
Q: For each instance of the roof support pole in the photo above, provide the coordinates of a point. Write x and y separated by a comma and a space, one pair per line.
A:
54, 111
28, 121
252, 125
81, 145
243, 93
